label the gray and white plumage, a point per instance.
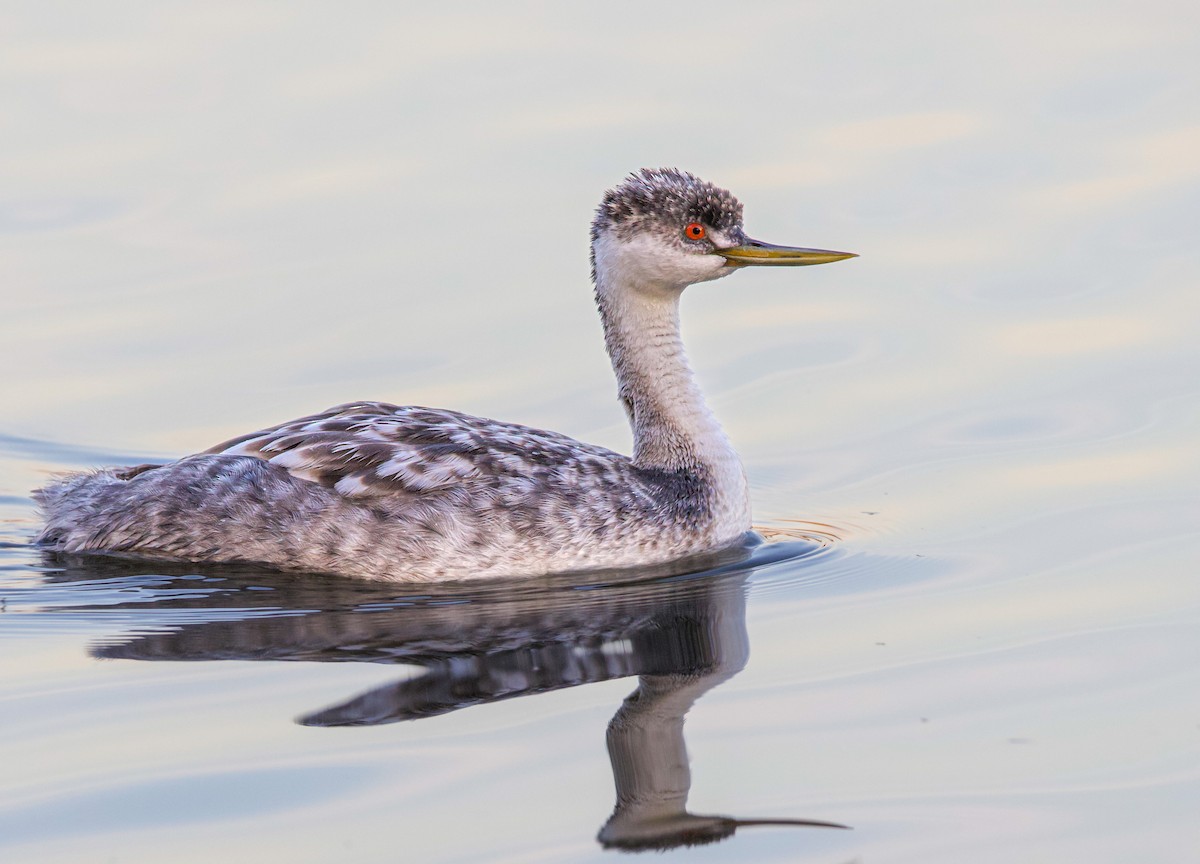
(378, 491)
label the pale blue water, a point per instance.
(220, 217)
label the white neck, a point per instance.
(673, 427)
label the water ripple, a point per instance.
(67, 455)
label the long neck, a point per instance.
(673, 427)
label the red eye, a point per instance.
(694, 231)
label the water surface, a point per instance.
(973, 450)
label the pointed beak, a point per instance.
(755, 253)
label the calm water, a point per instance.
(973, 632)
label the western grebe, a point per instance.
(378, 491)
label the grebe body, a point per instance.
(378, 491)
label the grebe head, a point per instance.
(664, 229)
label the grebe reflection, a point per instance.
(682, 636)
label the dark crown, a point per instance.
(667, 196)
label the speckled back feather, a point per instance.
(373, 449)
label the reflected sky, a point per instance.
(217, 217)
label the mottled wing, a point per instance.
(372, 449)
